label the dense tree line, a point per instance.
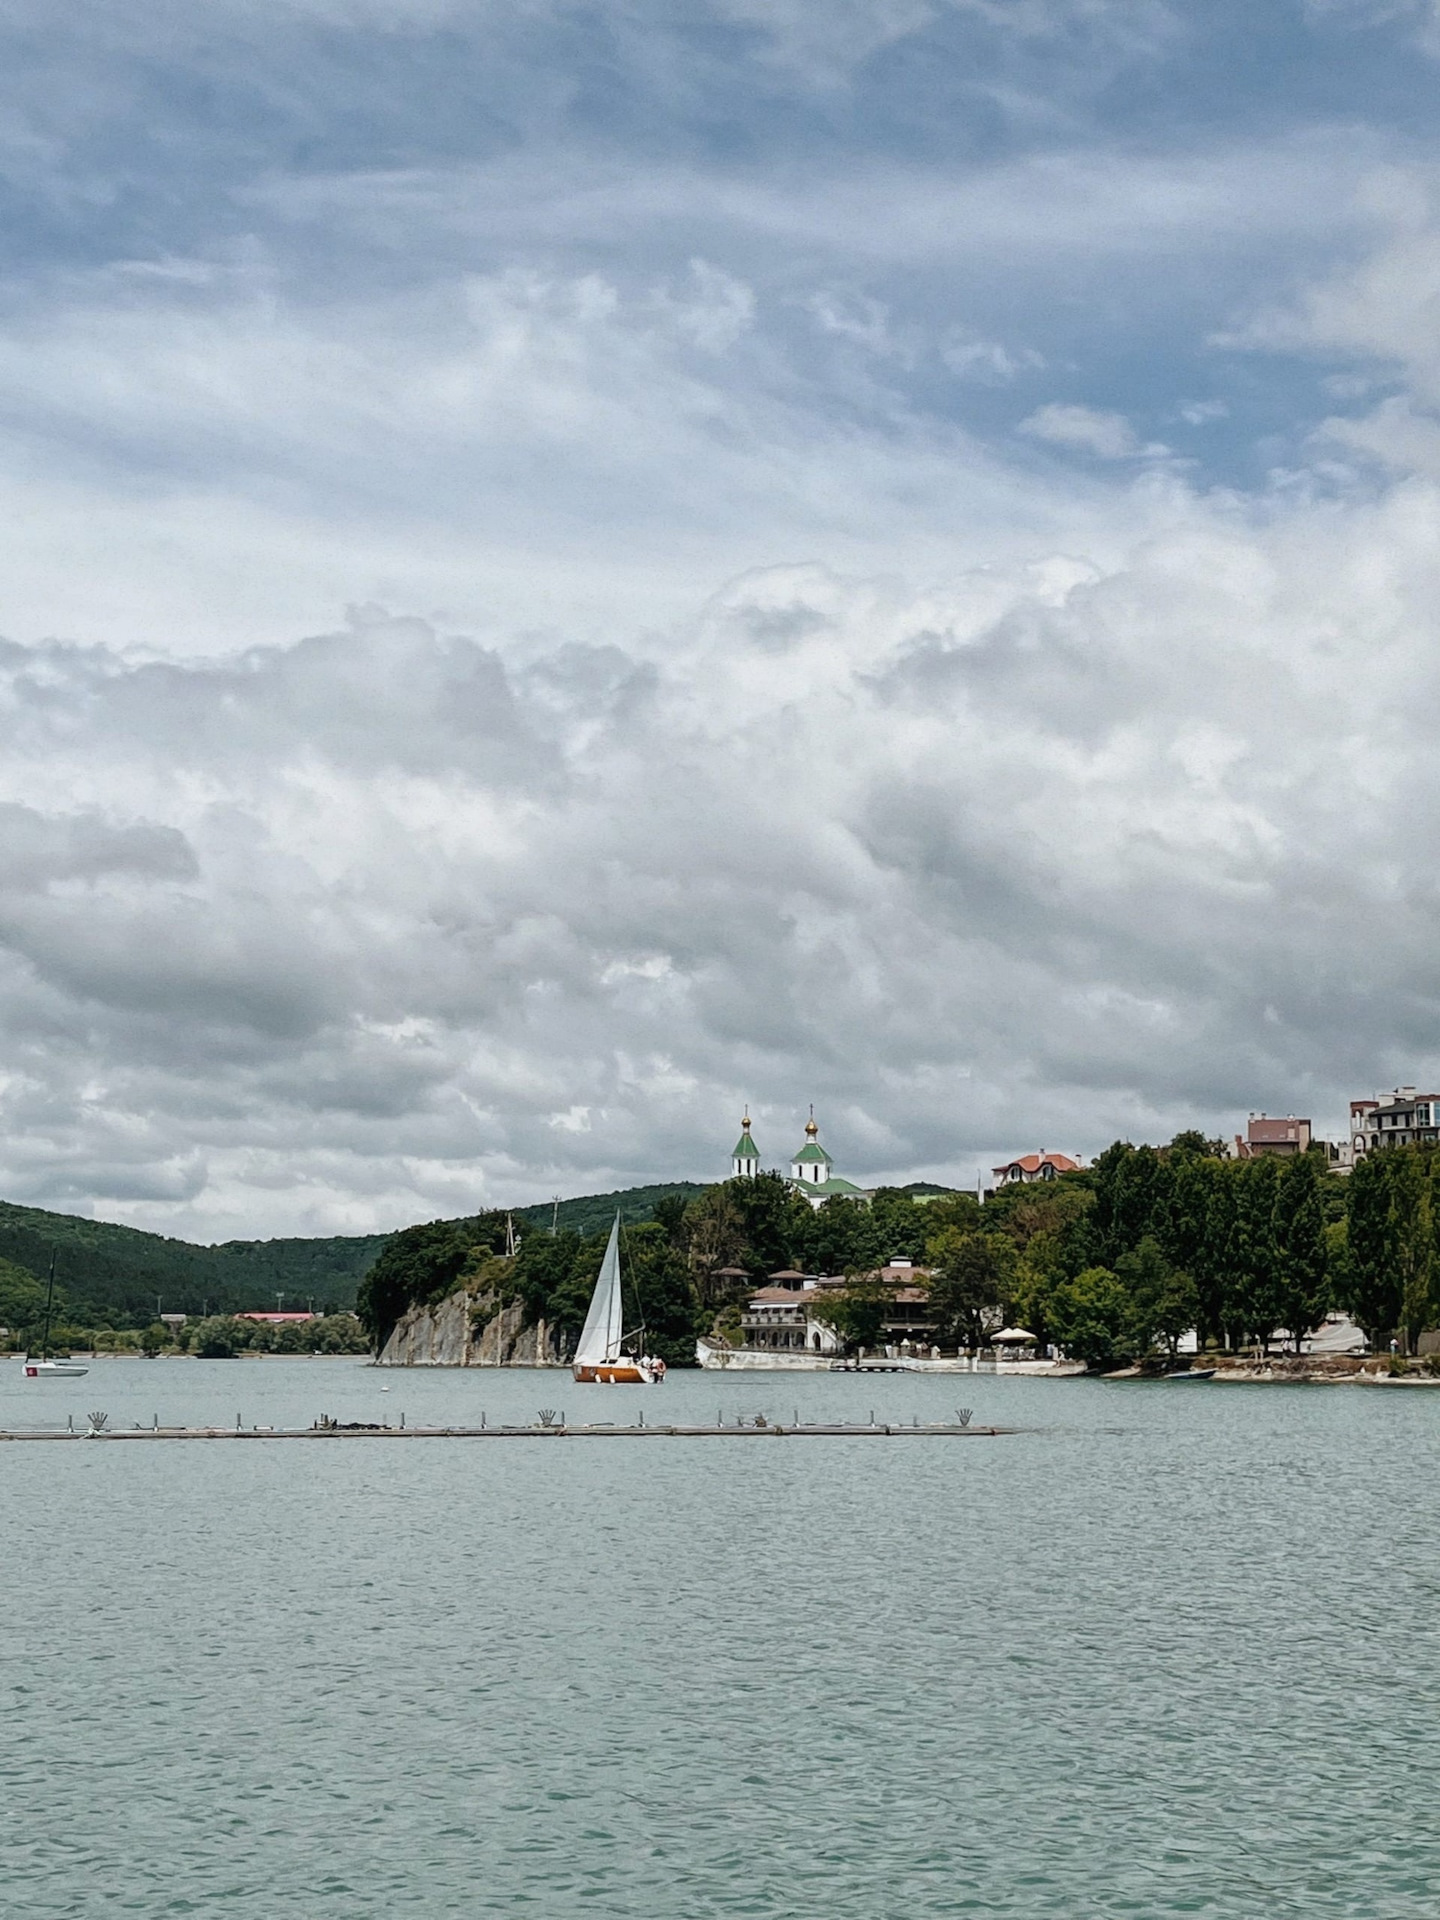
(1112, 1263)
(691, 1260)
(1124, 1258)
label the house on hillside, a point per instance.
(1407, 1119)
(1281, 1139)
(1035, 1166)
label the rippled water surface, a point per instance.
(1170, 1651)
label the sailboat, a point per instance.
(601, 1355)
(45, 1368)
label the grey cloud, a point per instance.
(1057, 853)
(39, 850)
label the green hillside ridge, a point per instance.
(109, 1275)
(589, 1212)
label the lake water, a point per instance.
(1172, 1651)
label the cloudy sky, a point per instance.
(569, 566)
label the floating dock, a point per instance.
(541, 1430)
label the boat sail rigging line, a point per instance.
(601, 1355)
(44, 1368)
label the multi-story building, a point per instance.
(788, 1314)
(1281, 1139)
(1407, 1119)
(775, 1319)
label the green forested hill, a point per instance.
(592, 1211)
(112, 1274)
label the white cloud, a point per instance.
(1109, 436)
(763, 726)
(974, 358)
(387, 924)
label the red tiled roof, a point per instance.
(1032, 1163)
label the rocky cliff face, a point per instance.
(464, 1331)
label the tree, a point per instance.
(1191, 1143)
(772, 1219)
(951, 1210)
(1303, 1293)
(1131, 1185)
(666, 1305)
(554, 1275)
(219, 1338)
(901, 1224)
(1163, 1300)
(420, 1267)
(1257, 1276)
(1413, 1241)
(838, 1237)
(968, 1285)
(22, 1298)
(1183, 1231)
(714, 1233)
(1373, 1291)
(1092, 1318)
(1215, 1264)
(670, 1210)
(154, 1340)
(857, 1311)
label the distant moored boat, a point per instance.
(44, 1368)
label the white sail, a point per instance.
(600, 1336)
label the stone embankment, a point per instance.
(466, 1331)
(1327, 1369)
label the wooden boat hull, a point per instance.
(619, 1373)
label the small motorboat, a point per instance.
(1192, 1373)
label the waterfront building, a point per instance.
(777, 1318)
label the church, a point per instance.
(812, 1171)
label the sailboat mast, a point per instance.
(49, 1298)
(639, 1331)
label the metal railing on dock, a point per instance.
(551, 1428)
